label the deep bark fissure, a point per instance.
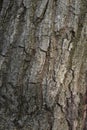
(41, 17)
(1, 4)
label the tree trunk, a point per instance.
(43, 65)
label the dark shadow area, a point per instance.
(1, 3)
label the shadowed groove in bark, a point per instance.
(1, 3)
(85, 106)
(41, 17)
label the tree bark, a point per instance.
(43, 64)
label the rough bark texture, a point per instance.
(43, 64)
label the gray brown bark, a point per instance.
(43, 64)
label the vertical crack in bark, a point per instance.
(41, 17)
(7, 11)
(69, 104)
(1, 4)
(85, 107)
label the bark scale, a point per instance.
(43, 64)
